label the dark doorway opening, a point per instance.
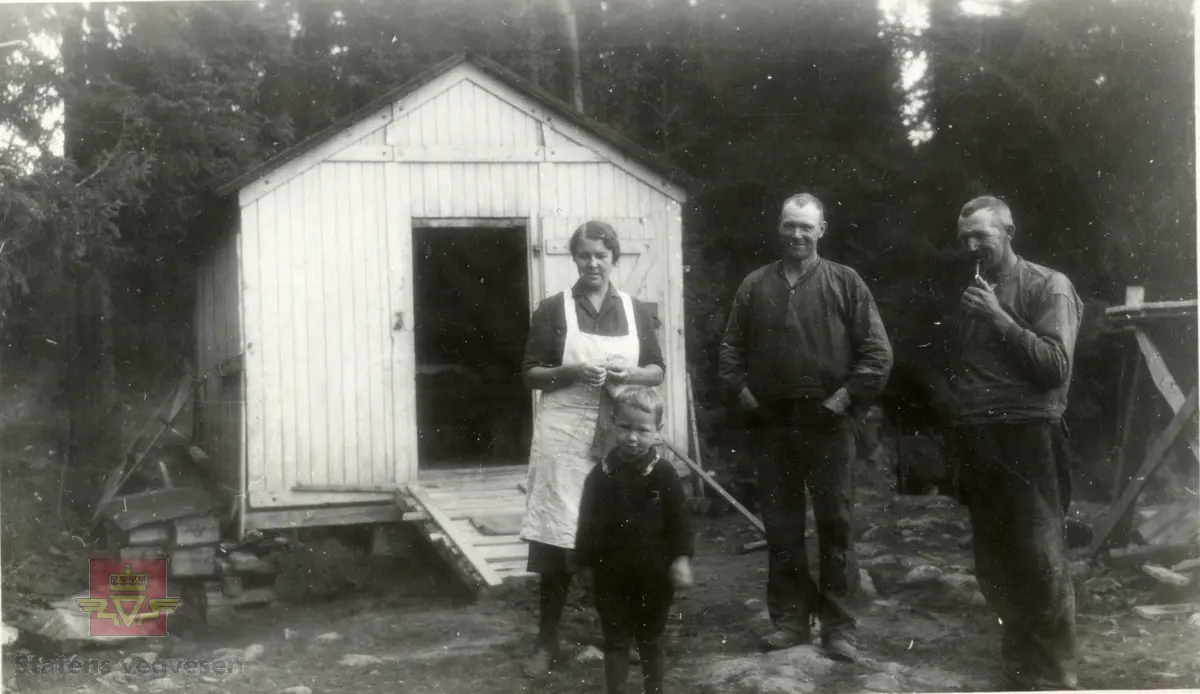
(471, 300)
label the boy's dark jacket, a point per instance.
(633, 516)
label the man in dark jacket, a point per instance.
(803, 346)
(1017, 328)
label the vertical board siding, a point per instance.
(465, 114)
(319, 312)
(217, 325)
(327, 272)
(316, 418)
(403, 363)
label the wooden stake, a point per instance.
(754, 520)
(695, 433)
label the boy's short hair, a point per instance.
(642, 398)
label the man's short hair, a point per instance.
(642, 398)
(597, 231)
(992, 204)
(802, 200)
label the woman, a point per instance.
(584, 345)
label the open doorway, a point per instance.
(471, 304)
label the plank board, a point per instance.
(449, 499)
(1160, 446)
(1165, 382)
(462, 541)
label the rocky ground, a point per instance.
(923, 627)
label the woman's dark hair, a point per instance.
(597, 231)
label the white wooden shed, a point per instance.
(461, 186)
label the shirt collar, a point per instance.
(652, 455)
(577, 290)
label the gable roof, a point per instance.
(626, 146)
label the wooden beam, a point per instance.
(1154, 457)
(1129, 402)
(1136, 556)
(345, 488)
(470, 222)
(451, 531)
(1164, 611)
(563, 246)
(754, 520)
(1165, 382)
(365, 514)
(446, 154)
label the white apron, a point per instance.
(564, 431)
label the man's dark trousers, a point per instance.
(797, 444)
(1010, 479)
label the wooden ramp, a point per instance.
(472, 517)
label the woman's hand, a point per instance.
(617, 374)
(588, 374)
(681, 573)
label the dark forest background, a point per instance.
(1080, 113)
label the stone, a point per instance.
(589, 654)
(329, 636)
(914, 562)
(866, 585)
(921, 574)
(197, 530)
(228, 653)
(10, 636)
(867, 549)
(253, 652)
(66, 624)
(882, 682)
(298, 689)
(753, 604)
(162, 684)
(1102, 585)
(959, 582)
(289, 634)
(359, 660)
(246, 563)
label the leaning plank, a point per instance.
(1153, 530)
(1159, 554)
(1161, 375)
(133, 510)
(454, 534)
(1164, 611)
(754, 520)
(1153, 459)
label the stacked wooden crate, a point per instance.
(243, 580)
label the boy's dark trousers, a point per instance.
(633, 605)
(795, 444)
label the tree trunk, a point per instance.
(571, 32)
(94, 439)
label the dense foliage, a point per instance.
(1079, 112)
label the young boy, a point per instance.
(635, 536)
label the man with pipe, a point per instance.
(1017, 328)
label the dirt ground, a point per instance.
(411, 630)
(919, 634)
